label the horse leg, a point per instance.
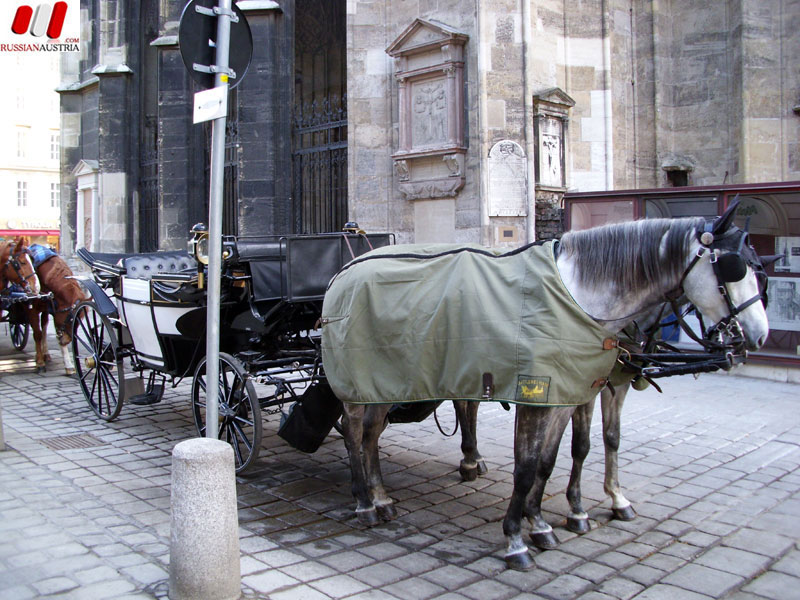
(611, 405)
(38, 339)
(472, 464)
(542, 534)
(578, 520)
(45, 317)
(66, 353)
(353, 428)
(528, 436)
(374, 424)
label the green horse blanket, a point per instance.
(441, 322)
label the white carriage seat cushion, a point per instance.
(144, 266)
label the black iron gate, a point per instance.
(320, 166)
(148, 187)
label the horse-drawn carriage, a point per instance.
(538, 326)
(147, 315)
(12, 301)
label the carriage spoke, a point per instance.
(109, 390)
(239, 419)
(88, 336)
(94, 384)
(231, 439)
(237, 429)
(96, 360)
(235, 393)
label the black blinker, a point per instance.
(732, 267)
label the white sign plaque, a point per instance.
(507, 180)
(211, 104)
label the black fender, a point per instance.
(105, 306)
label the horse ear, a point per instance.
(770, 259)
(724, 221)
(20, 244)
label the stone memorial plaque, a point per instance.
(507, 180)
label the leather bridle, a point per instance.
(14, 262)
(730, 254)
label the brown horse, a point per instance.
(17, 268)
(54, 277)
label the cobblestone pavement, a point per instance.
(711, 467)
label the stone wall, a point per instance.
(549, 216)
(770, 37)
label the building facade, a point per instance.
(440, 120)
(29, 158)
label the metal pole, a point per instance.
(215, 225)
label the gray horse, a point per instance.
(376, 353)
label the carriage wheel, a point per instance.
(97, 361)
(19, 334)
(239, 410)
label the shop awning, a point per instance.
(19, 232)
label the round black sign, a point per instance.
(195, 31)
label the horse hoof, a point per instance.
(482, 470)
(521, 561)
(468, 473)
(544, 540)
(624, 514)
(387, 512)
(368, 517)
(578, 525)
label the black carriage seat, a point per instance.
(144, 266)
(265, 261)
(255, 249)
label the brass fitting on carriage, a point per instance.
(198, 248)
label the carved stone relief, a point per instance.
(550, 145)
(428, 114)
(551, 115)
(429, 68)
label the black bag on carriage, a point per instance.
(310, 419)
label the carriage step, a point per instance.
(152, 396)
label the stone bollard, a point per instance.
(2, 439)
(204, 528)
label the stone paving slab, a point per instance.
(711, 467)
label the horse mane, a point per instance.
(628, 255)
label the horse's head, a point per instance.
(16, 266)
(727, 283)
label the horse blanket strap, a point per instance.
(40, 254)
(440, 322)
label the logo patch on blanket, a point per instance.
(533, 389)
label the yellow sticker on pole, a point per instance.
(223, 78)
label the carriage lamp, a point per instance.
(198, 244)
(352, 227)
(198, 247)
